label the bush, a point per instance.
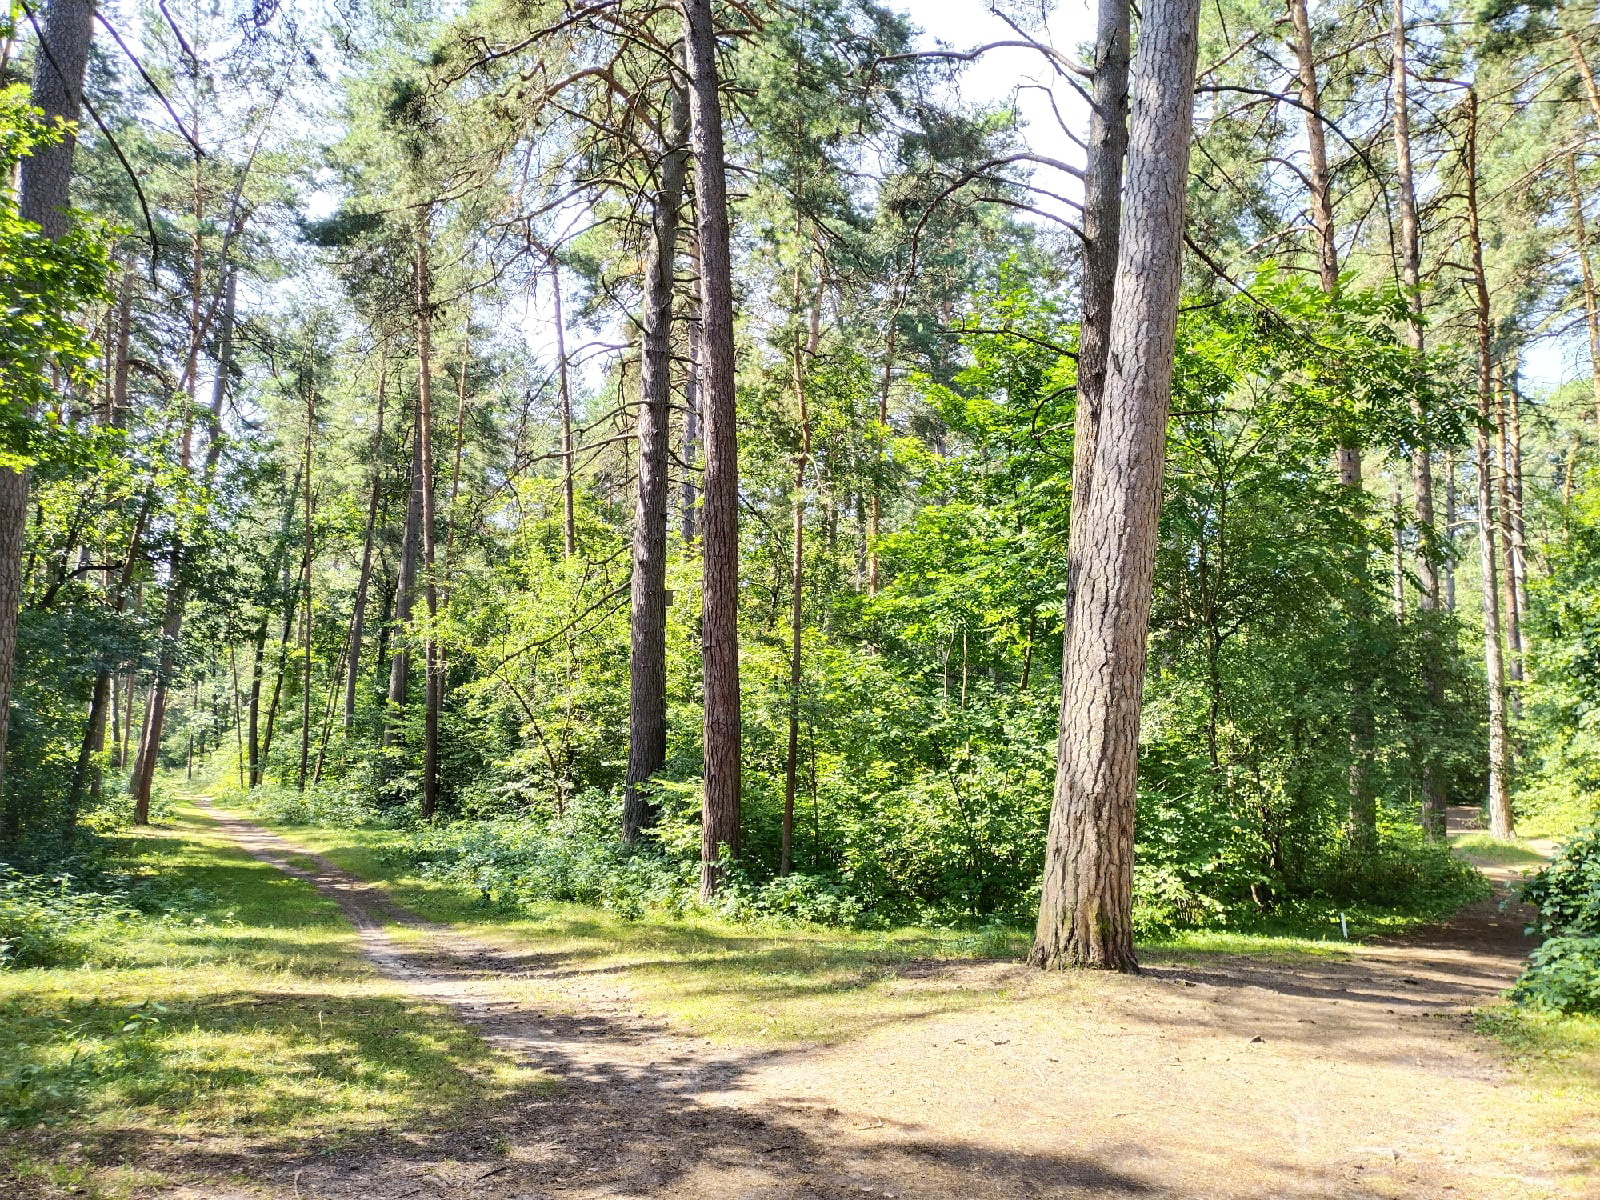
(1563, 976)
(45, 921)
(576, 857)
(1567, 892)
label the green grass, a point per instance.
(1486, 850)
(250, 1016)
(764, 984)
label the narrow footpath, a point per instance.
(1227, 1078)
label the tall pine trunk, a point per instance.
(358, 611)
(647, 659)
(719, 636)
(1086, 905)
(1500, 822)
(1102, 218)
(433, 677)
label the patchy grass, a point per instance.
(763, 984)
(251, 1018)
(1486, 850)
(1560, 1056)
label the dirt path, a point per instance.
(1235, 1078)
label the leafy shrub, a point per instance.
(1563, 975)
(335, 805)
(45, 921)
(1408, 874)
(1567, 892)
(576, 857)
(804, 899)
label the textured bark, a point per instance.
(690, 497)
(358, 611)
(66, 31)
(719, 623)
(1086, 906)
(1500, 823)
(1102, 216)
(647, 658)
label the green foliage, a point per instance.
(1567, 892)
(51, 921)
(1563, 976)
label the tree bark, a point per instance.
(307, 551)
(797, 568)
(720, 507)
(1102, 216)
(569, 518)
(1500, 821)
(1086, 905)
(647, 659)
(67, 30)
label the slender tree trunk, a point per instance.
(1434, 798)
(1591, 303)
(358, 612)
(875, 504)
(1450, 517)
(65, 34)
(1500, 822)
(569, 518)
(647, 659)
(1411, 277)
(797, 567)
(1102, 217)
(433, 677)
(308, 549)
(1086, 905)
(691, 406)
(1509, 608)
(720, 517)
(289, 612)
(405, 593)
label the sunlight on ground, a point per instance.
(252, 1013)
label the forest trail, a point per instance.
(1207, 1076)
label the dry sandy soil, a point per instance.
(1231, 1078)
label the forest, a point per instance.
(1058, 485)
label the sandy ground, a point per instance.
(1228, 1078)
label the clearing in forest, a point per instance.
(1354, 1075)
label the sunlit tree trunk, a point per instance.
(1102, 216)
(1086, 905)
(1591, 303)
(719, 625)
(405, 593)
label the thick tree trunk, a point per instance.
(1086, 906)
(647, 659)
(720, 509)
(1500, 822)
(65, 34)
(1102, 217)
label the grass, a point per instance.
(1560, 1057)
(738, 983)
(249, 1016)
(1486, 850)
